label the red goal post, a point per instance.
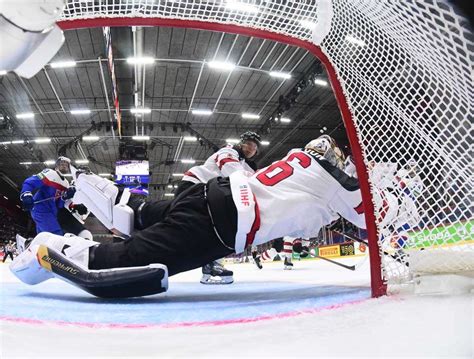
(401, 72)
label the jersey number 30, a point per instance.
(280, 170)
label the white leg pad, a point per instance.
(26, 267)
(99, 194)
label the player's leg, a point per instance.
(67, 258)
(46, 222)
(288, 252)
(256, 257)
(184, 240)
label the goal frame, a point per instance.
(378, 284)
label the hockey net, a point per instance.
(402, 72)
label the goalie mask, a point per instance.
(326, 147)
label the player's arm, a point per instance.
(31, 184)
(348, 204)
(228, 161)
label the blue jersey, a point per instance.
(47, 184)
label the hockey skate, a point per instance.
(257, 260)
(215, 273)
(288, 265)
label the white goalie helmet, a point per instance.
(327, 147)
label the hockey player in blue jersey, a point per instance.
(44, 193)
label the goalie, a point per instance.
(204, 223)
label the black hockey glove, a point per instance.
(68, 193)
(80, 208)
(27, 201)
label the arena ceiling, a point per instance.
(178, 81)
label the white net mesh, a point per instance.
(406, 70)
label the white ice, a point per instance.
(400, 325)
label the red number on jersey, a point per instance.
(271, 176)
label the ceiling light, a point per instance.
(136, 111)
(90, 138)
(80, 112)
(25, 115)
(232, 140)
(190, 138)
(188, 161)
(265, 143)
(178, 174)
(42, 140)
(18, 142)
(250, 116)
(170, 186)
(308, 24)
(49, 162)
(221, 65)
(285, 119)
(5, 197)
(5, 143)
(82, 162)
(281, 75)
(3, 72)
(320, 82)
(241, 7)
(140, 60)
(355, 40)
(141, 138)
(26, 163)
(169, 194)
(202, 112)
(62, 64)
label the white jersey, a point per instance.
(221, 164)
(294, 197)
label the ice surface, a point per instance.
(315, 310)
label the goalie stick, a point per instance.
(330, 260)
(357, 239)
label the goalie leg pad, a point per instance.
(106, 283)
(26, 268)
(99, 195)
